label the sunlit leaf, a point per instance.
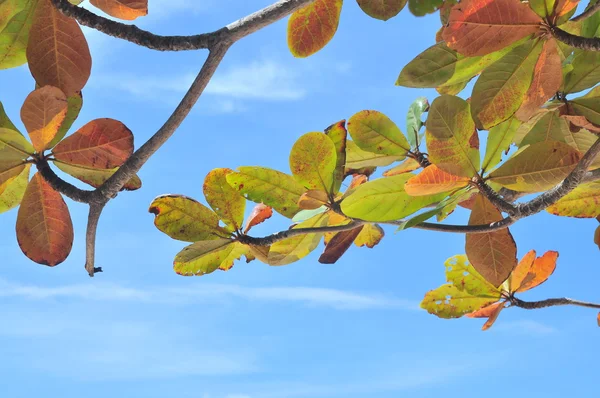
(313, 26)
(43, 112)
(226, 201)
(12, 191)
(382, 9)
(532, 272)
(96, 177)
(185, 219)
(414, 122)
(338, 134)
(293, 249)
(585, 73)
(432, 181)
(313, 161)
(57, 50)
(100, 144)
(16, 17)
(405, 167)
(123, 9)
(313, 199)
(338, 245)
(597, 242)
(13, 146)
(75, 103)
(273, 188)
(369, 236)
(423, 7)
(493, 254)
(588, 106)
(478, 27)
(357, 159)
(385, 199)
(491, 312)
(582, 202)
(260, 213)
(374, 132)
(501, 88)
(204, 257)
(549, 127)
(498, 142)
(5, 121)
(452, 140)
(44, 227)
(537, 167)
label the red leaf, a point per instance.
(479, 27)
(260, 213)
(123, 9)
(100, 144)
(533, 272)
(42, 113)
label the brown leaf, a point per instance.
(44, 227)
(493, 254)
(597, 237)
(491, 312)
(547, 79)
(581, 122)
(42, 113)
(313, 199)
(57, 51)
(123, 9)
(100, 144)
(260, 213)
(338, 245)
(479, 27)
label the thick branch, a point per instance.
(230, 33)
(90, 238)
(501, 203)
(60, 185)
(279, 236)
(534, 305)
(583, 43)
(588, 12)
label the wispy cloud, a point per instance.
(317, 297)
(524, 326)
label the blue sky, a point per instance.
(352, 329)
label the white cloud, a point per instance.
(331, 298)
(524, 327)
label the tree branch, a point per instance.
(60, 185)
(534, 305)
(230, 33)
(494, 197)
(583, 43)
(588, 12)
(90, 238)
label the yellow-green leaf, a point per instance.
(357, 159)
(582, 202)
(14, 31)
(369, 236)
(498, 142)
(338, 134)
(13, 145)
(96, 177)
(226, 201)
(313, 161)
(313, 26)
(382, 9)
(204, 257)
(585, 73)
(12, 191)
(374, 132)
(537, 167)
(448, 302)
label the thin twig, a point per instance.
(133, 34)
(533, 305)
(90, 238)
(588, 12)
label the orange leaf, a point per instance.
(44, 227)
(479, 27)
(123, 9)
(338, 245)
(434, 180)
(100, 144)
(313, 199)
(598, 319)
(358, 179)
(547, 79)
(530, 274)
(563, 7)
(597, 237)
(42, 113)
(57, 51)
(313, 26)
(493, 254)
(581, 122)
(260, 213)
(491, 312)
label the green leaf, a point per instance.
(13, 145)
(304, 215)
(582, 202)
(273, 188)
(313, 161)
(295, 248)
(357, 159)
(74, 105)
(420, 8)
(442, 210)
(585, 73)
(537, 167)
(183, 218)
(374, 132)
(591, 25)
(452, 140)
(550, 127)
(414, 122)
(204, 257)
(499, 139)
(582, 141)
(385, 199)
(14, 32)
(96, 177)
(439, 65)
(226, 201)
(382, 9)
(499, 91)
(12, 191)
(5, 121)
(338, 134)
(588, 106)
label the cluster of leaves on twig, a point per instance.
(527, 60)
